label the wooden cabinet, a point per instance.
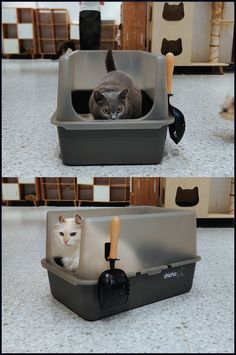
(108, 35)
(145, 191)
(133, 25)
(18, 29)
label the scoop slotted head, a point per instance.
(113, 284)
(177, 128)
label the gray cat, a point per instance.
(116, 97)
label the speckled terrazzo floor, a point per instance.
(30, 143)
(200, 321)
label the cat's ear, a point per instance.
(98, 97)
(195, 189)
(123, 94)
(61, 219)
(78, 219)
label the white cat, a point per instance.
(67, 233)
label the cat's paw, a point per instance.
(227, 109)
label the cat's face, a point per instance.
(68, 231)
(111, 105)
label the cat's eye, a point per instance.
(62, 234)
(106, 110)
(73, 234)
(119, 110)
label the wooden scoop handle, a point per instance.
(169, 70)
(114, 236)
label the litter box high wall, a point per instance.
(88, 142)
(156, 250)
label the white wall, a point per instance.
(109, 11)
(19, 4)
(201, 31)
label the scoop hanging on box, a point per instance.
(177, 128)
(113, 284)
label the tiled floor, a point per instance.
(200, 321)
(30, 143)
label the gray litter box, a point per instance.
(156, 250)
(84, 141)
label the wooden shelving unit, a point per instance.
(18, 31)
(58, 189)
(209, 197)
(20, 189)
(52, 29)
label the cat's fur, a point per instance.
(116, 96)
(227, 108)
(67, 233)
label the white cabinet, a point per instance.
(10, 192)
(25, 30)
(10, 46)
(26, 180)
(74, 31)
(9, 15)
(85, 180)
(101, 193)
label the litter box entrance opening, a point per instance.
(58, 260)
(80, 101)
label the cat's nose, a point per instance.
(113, 116)
(66, 241)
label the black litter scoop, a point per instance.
(177, 128)
(113, 284)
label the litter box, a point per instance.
(84, 141)
(156, 250)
